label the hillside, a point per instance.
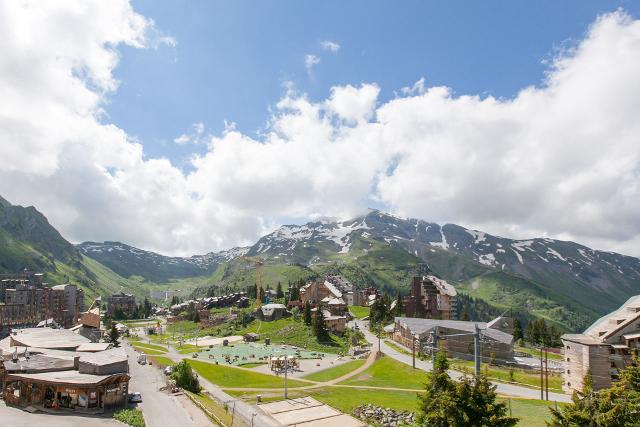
(565, 282)
(128, 261)
(27, 240)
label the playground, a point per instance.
(255, 353)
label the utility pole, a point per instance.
(546, 371)
(414, 351)
(541, 377)
(286, 368)
(434, 343)
(476, 350)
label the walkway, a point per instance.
(502, 388)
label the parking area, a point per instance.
(15, 417)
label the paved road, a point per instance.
(502, 388)
(159, 409)
(14, 417)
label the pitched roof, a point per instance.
(48, 338)
(423, 327)
(64, 377)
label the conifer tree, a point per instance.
(517, 329)
(307, 313)
(319, 327)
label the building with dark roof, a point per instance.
(454, 336)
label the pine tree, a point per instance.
(517, 329)
(261, 293)
(436, 407)
(114, 335)
(319, 327)
(279, 293)
(307, 313)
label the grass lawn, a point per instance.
(144, 345)
(527, 378)
(188, 348)
(251, 365)
(132, 417)
(226, 376)
(536, 353)
(532, 413)
(388, 372)
(163, 361)
(335, 371)
(217, 412)
(289, 331)
(359, 312)
(149, 350)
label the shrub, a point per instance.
(185, 377)
(132, 417)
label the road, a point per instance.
(501, 388)
(160, 409)
(15, 417)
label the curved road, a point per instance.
(501, 388)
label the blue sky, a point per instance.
(546, 145)
(233, 58)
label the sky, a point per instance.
(189, 127)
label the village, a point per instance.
(312, 354)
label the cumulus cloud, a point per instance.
(330, 46)
(560, 159)
(311, 60)
(195, 136)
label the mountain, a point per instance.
(27, 240)
(563, 281)
(129, 261)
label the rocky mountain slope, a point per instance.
(565, 282)
(27, 240)
(129, 261)
(558, 278)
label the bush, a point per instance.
(185, 377)
(132, 417)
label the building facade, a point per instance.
(605, 348)
(25, 301)
(431, 298)
(454, 336)
(121, 303)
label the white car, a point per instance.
(135, 397)
(168, 370)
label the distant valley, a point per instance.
(564, 282)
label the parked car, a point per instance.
(168, 370)
(135, 397)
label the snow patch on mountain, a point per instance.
(479, 236)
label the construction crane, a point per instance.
(258, 262)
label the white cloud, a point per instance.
(562, 159)
(310, 61)
(196, 136)
(330, 46)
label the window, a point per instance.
(568, 384)
(568, 359)
(568, 348)
(568, 371)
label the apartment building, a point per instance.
(605, 348)
(431, 298)
(123, 303)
